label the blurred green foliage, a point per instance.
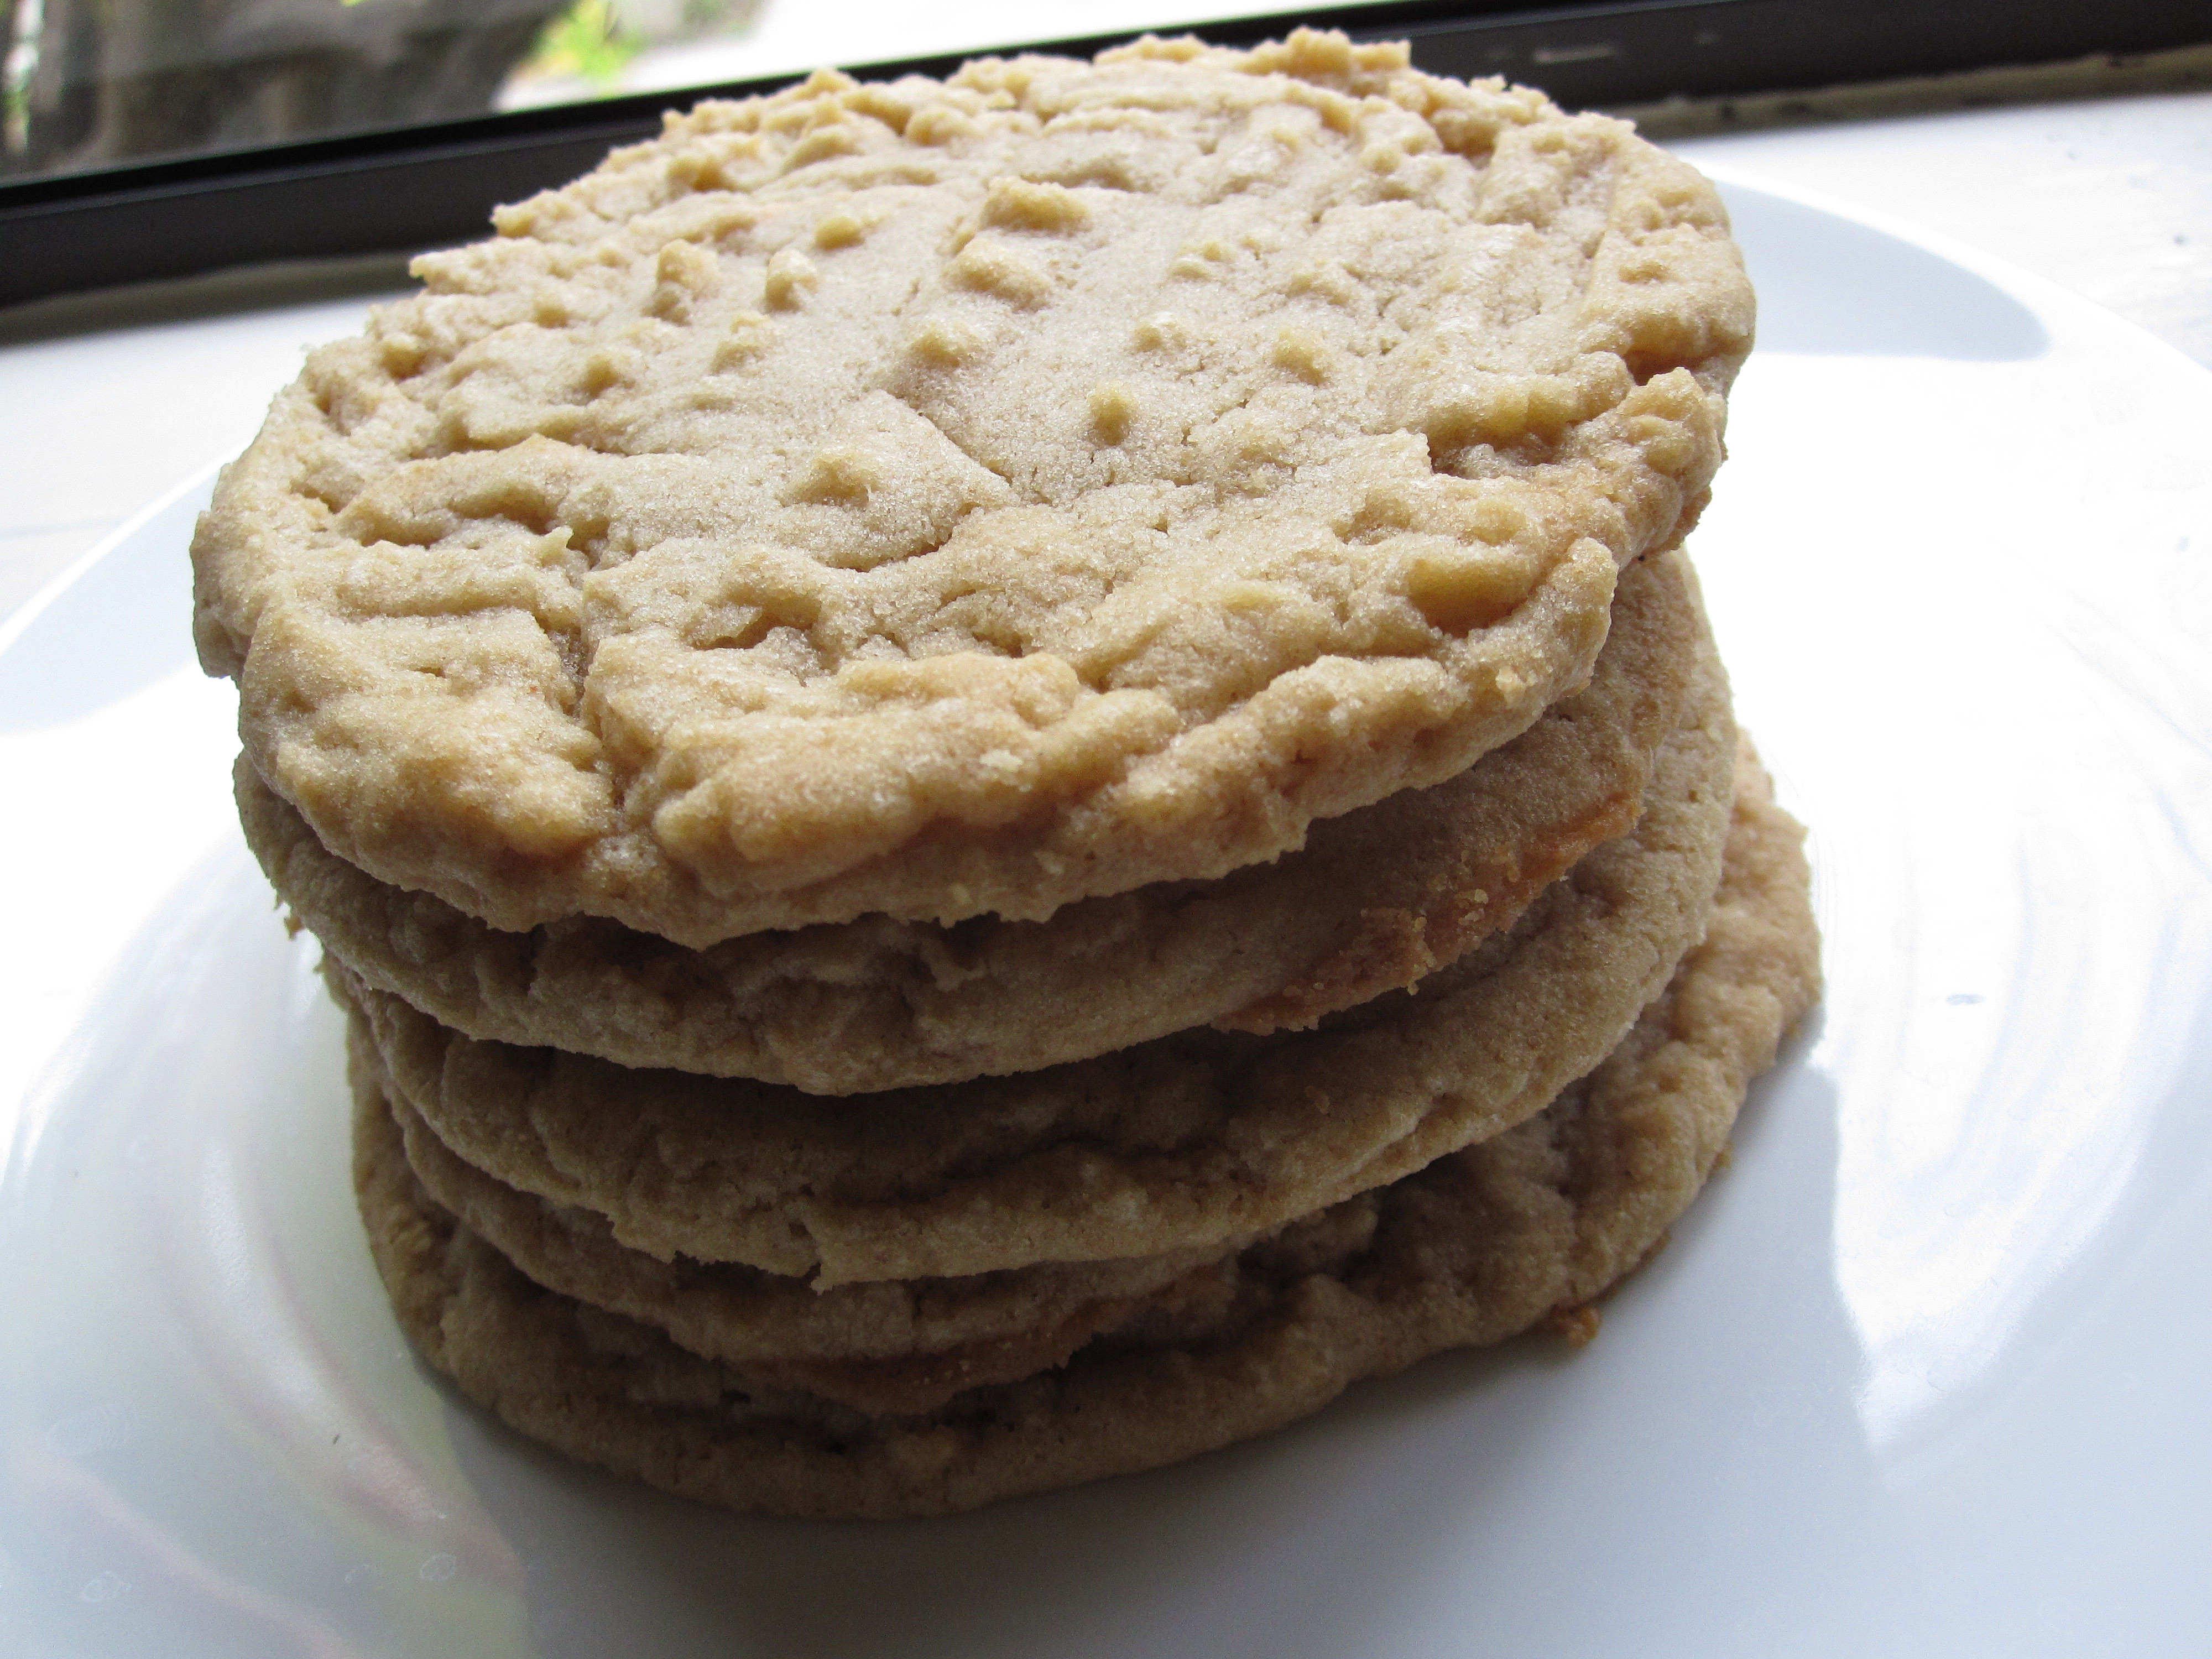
(586, 40)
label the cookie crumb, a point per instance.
(1577, 1325)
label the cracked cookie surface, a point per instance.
(1374, 901)
(942, 499)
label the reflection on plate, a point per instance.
(1921, 1374)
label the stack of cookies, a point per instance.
(1005, 777)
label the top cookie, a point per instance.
(942, 498)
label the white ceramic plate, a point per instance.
(1923, 1373)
